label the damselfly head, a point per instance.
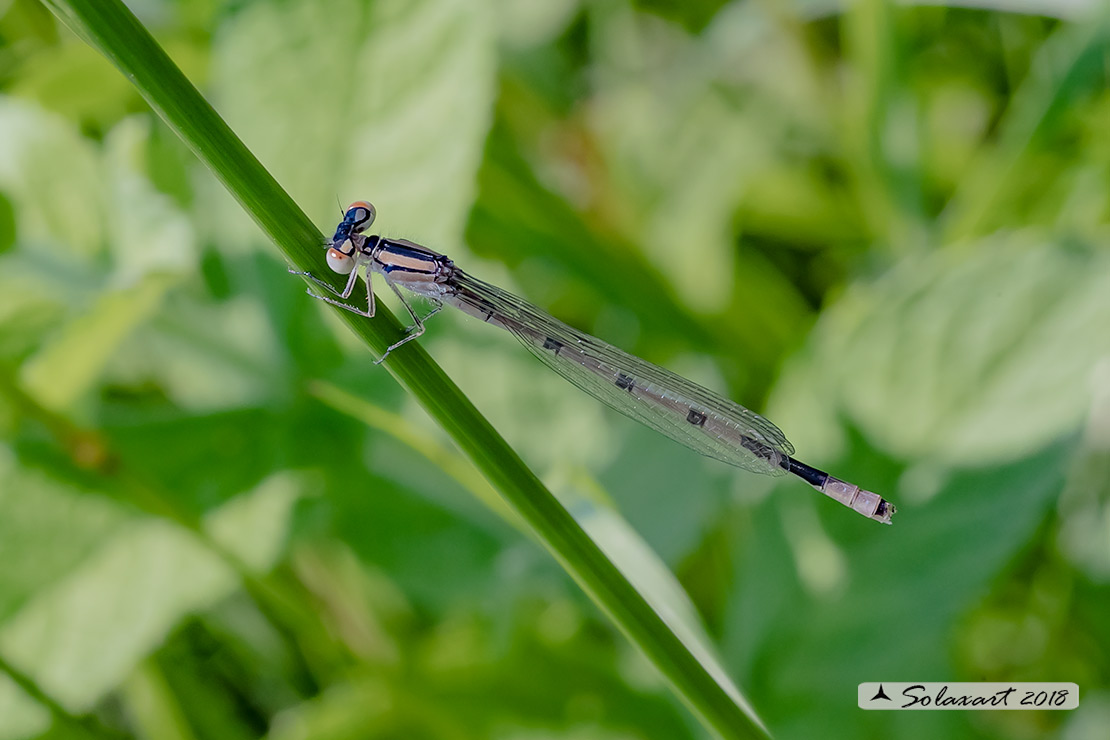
(356, 219)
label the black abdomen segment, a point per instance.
(812, 476)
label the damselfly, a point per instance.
(704, 421)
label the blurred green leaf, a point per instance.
(148, 240)
(7, 224)
(1067, 66)
(23, 717)
(47, 531)
(960, 358)
(30, 309)
(71, 363)
(252, 527)
(152, 704)
(358, 709)
(881, 124)
(81, 634)
(516, 219)
(669, 495)
(393, 108)
(441, 457)
(528, 24)
(679, 152)
(244, 445)
(203, 356)
(54, 179)
(73, 80)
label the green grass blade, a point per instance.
(109, 27)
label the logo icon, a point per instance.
(881, 694)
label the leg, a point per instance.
(346, 293)
(434, 311)
(417, 322)
(413, 331)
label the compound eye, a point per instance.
(360, 214)
(339, 262)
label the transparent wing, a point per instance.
(704, 421)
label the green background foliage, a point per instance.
(884, 226)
